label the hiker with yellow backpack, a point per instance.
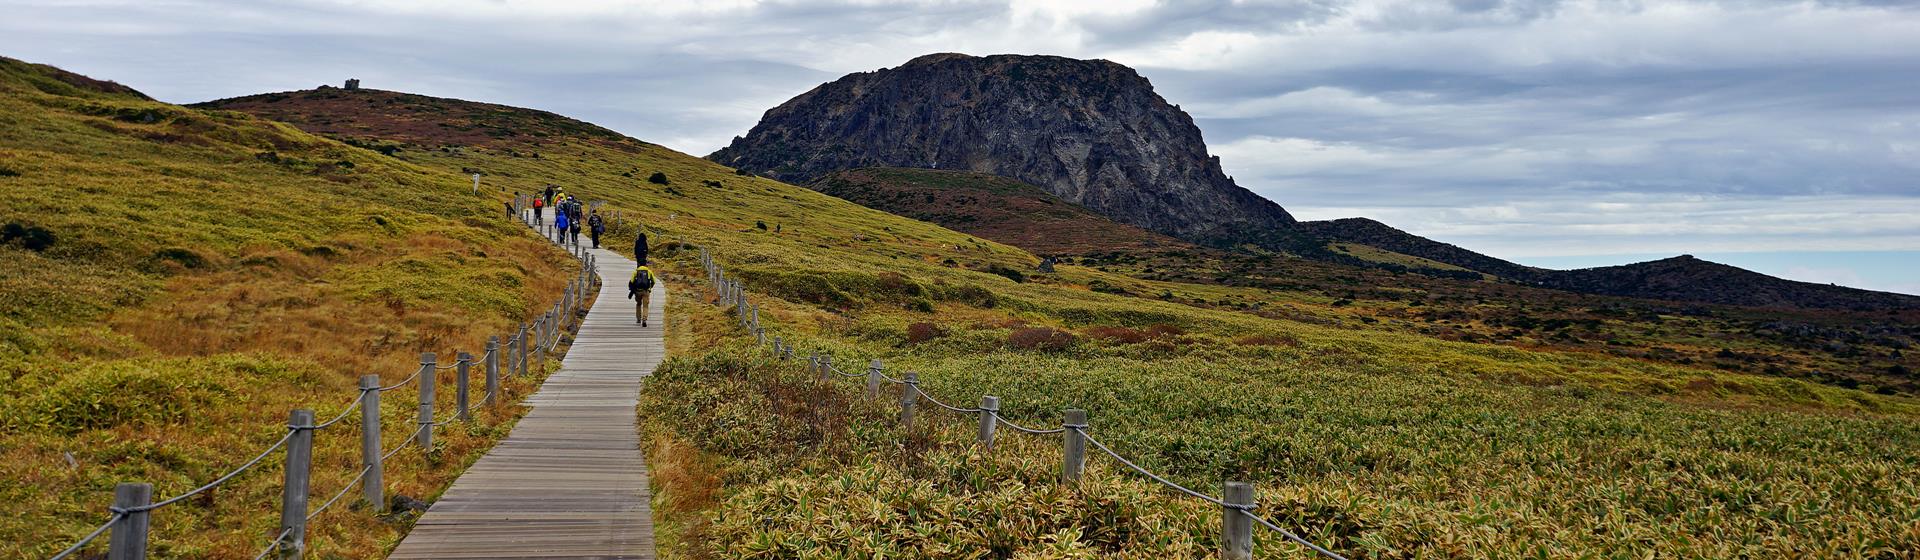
(638, 288)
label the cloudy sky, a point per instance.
(1778, 136)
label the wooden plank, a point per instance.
(570, 481)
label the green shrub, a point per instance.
(1007, 272)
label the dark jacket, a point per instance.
(598, 224)
(640, 248)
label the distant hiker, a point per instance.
(537, 218)
(549, 194)
(640, 246)
(560, 225)
(596, 226)
(575, 221)
(509, 205)
(638, 289)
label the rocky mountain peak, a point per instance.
(1091, 132)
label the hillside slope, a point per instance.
(990, 206)
(1363, 435)
(1091, 132)
(1376, 234)
(174, 282)
(1685, 278)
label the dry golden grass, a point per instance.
(210, 273)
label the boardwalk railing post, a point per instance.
(520, 351)
(540, 349)
(373, 488)
(908, 395)
(460, 385)
(873, 379)
(989, 407)
(428, 372)
(129, 539)
(1075, 445)
(826, 367)
(493, 370)
(1236, 525)
(293, 495)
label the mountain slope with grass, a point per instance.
(1376, 437)
(993, 207)
(173, 282)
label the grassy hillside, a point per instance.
(1375, 438)
(173, 282)
(993, 207)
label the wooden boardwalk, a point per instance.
(569, 482)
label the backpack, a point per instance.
(536, 203)
(642, 280)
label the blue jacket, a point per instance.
(560, 220)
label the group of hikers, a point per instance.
(570, 216)
(568, 220)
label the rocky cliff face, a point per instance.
(1091, 132)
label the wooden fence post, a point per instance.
(373, 488)
(1236, 525)
(520, 352)
(540, 348)
(129, 539)
(293, 495)
(1075, 445)
(493, 370)
(826, 367)
(908, 395)
(873, 379)
(460, 385)
(428, 372)
(989, 408)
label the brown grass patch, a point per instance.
(1046, 339)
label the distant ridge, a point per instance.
(1376, 234)
(1686, 278)
(415, 119)
(1682, 278)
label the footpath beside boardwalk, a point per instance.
(569, 481)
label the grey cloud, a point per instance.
(1424, 114)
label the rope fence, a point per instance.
(1236, 502)
(525, 348)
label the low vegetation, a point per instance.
(1375, 435)
(174, 282)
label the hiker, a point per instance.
(560, 225)
(640, 246)
(537, 218)
(638, 289)
(575, 221)
(549, 194)
(596, 226)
